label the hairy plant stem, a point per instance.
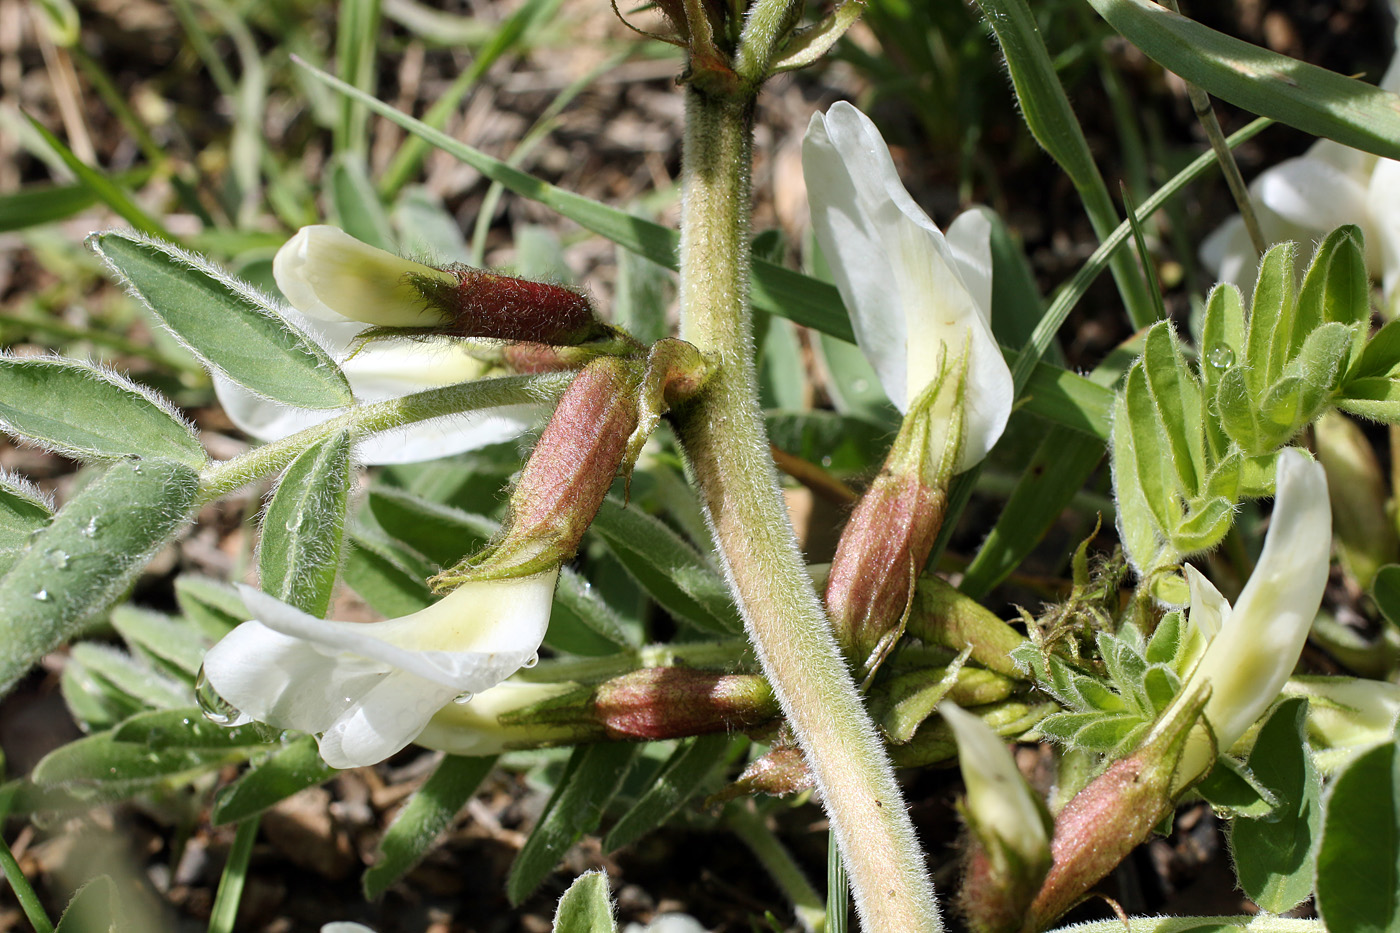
(723, 437)
(224, 477)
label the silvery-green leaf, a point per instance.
(426, 229)
(303, 527)
(1374, 397)
(681, 778)
(1271, 315)
(172, 640)
(1062, 727)
(1336, 288)
(1161, 686)
(1106, 732)
(1257, 476)
(139, 681)
(355, 203)
(1224, 478)
(24, 509)
(441, 533)
(1381, 355)
(90, 413)
(589, 782)
(1166, 640)
(384, 576)
(1234, 790)
(79, 564)
(214, 607)
(587, 907)
(267, 782)
(1235, 405)
(101, 759)
(1361, 845)
(230, 326)
(96, 906)
(187, 727)
(427, 815)
(1318, 366)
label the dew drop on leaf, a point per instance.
(214, 707)
(42, 596)
(1220, 357)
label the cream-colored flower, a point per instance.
(916, 297)
(337, 285)
(368, 689)
(1247, 661)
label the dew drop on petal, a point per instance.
(1220, 357)
(463, 698)
(531, 661)
(214, 707)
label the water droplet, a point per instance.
(463, 698)
(214, 707)
(57, 558)
(292, 524)
(42, 596)
(1220, 357)
(532, 660)
(826, 462)
(860, 386)
(90, 529)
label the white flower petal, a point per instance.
(998, 798)
(475, 728)
(911, 292)
(372, 687)
(1312, 195)
(329, 275)
(385, 720)
(1248, 663)
(1209, 609)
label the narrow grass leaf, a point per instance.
(303, 527)
(427, 815)
(90, 413)
(229, 325)
(77, 566)
(589, 783)
(668, 568)
(682, 777)
(101, 185)
(1313, 99)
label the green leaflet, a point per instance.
(1358, 864)
(291, 768)
(586, 907)
(1274, 858)
(231, 327)
(90, 413)
(73, 569)
(303, 527)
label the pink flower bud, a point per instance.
(671, 702)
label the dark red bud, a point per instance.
(780, 773)
(502, 307)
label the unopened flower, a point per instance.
(1009, 824)
(1250, 655)
(336, 285)
(367, 690)
(919, 301)
(477, 728)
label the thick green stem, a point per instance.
(224, 477)
(724, 440)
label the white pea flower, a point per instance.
(336, 286)
(1002, 809)
(1306, 197)
(345, 926)
(916, 297)
(1256, 644)
(667, 923)
(475, 728)
(368, 689)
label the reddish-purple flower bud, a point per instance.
(780, 773)
(476, 303)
